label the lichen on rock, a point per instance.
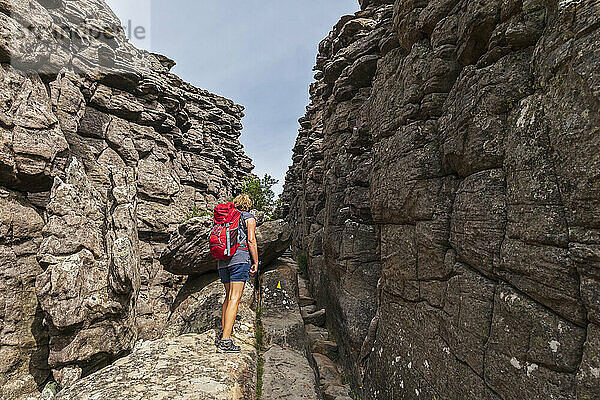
(102, 152)
(445, 189)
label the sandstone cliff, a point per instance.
(103, 151)
(446, 188)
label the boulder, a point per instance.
(188, 251)
(197, 307)
(186, 365)
(274, 238)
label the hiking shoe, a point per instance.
(227, 346)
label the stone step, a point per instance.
(316, 333)
(332, 391)
(281, 319)
(309, 309)
(328, 372)
(304, 301)
(287, 375)
(317, 318)
(325, 347)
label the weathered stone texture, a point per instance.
(103, 152)
(91, 278)
(183, 367)
(327, 188)
(184, 364)
(287, 370)
(459, 170)
(23, 340)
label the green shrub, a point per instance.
(261, 193)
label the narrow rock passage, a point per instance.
(297, 354)
(299, 357)
(323, 349)
(287, 371)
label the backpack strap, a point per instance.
(242, 223)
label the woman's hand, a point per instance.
(252, 245)
(253, 269)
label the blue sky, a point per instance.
(258, 53)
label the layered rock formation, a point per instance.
(183, 364)
(103, 152)
(445, 188)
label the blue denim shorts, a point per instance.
(235, 273)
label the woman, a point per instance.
(236, 271)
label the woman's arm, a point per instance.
(252, 244)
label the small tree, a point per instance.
(261, 193)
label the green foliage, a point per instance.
(303, 264)
(50, 390)
(261, 193)
(259, 330)
(197, 212)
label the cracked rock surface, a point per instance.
(103, 153)
(445, 188)
(184, 364)
(287, 371)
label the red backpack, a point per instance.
(224, 234)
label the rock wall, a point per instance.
(103, 152)
(445, 187)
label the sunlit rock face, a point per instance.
(183, 364)
(445, 187)
(103, 152)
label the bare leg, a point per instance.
(233, 300)
(225, 302)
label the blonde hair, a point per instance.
(243, 202)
